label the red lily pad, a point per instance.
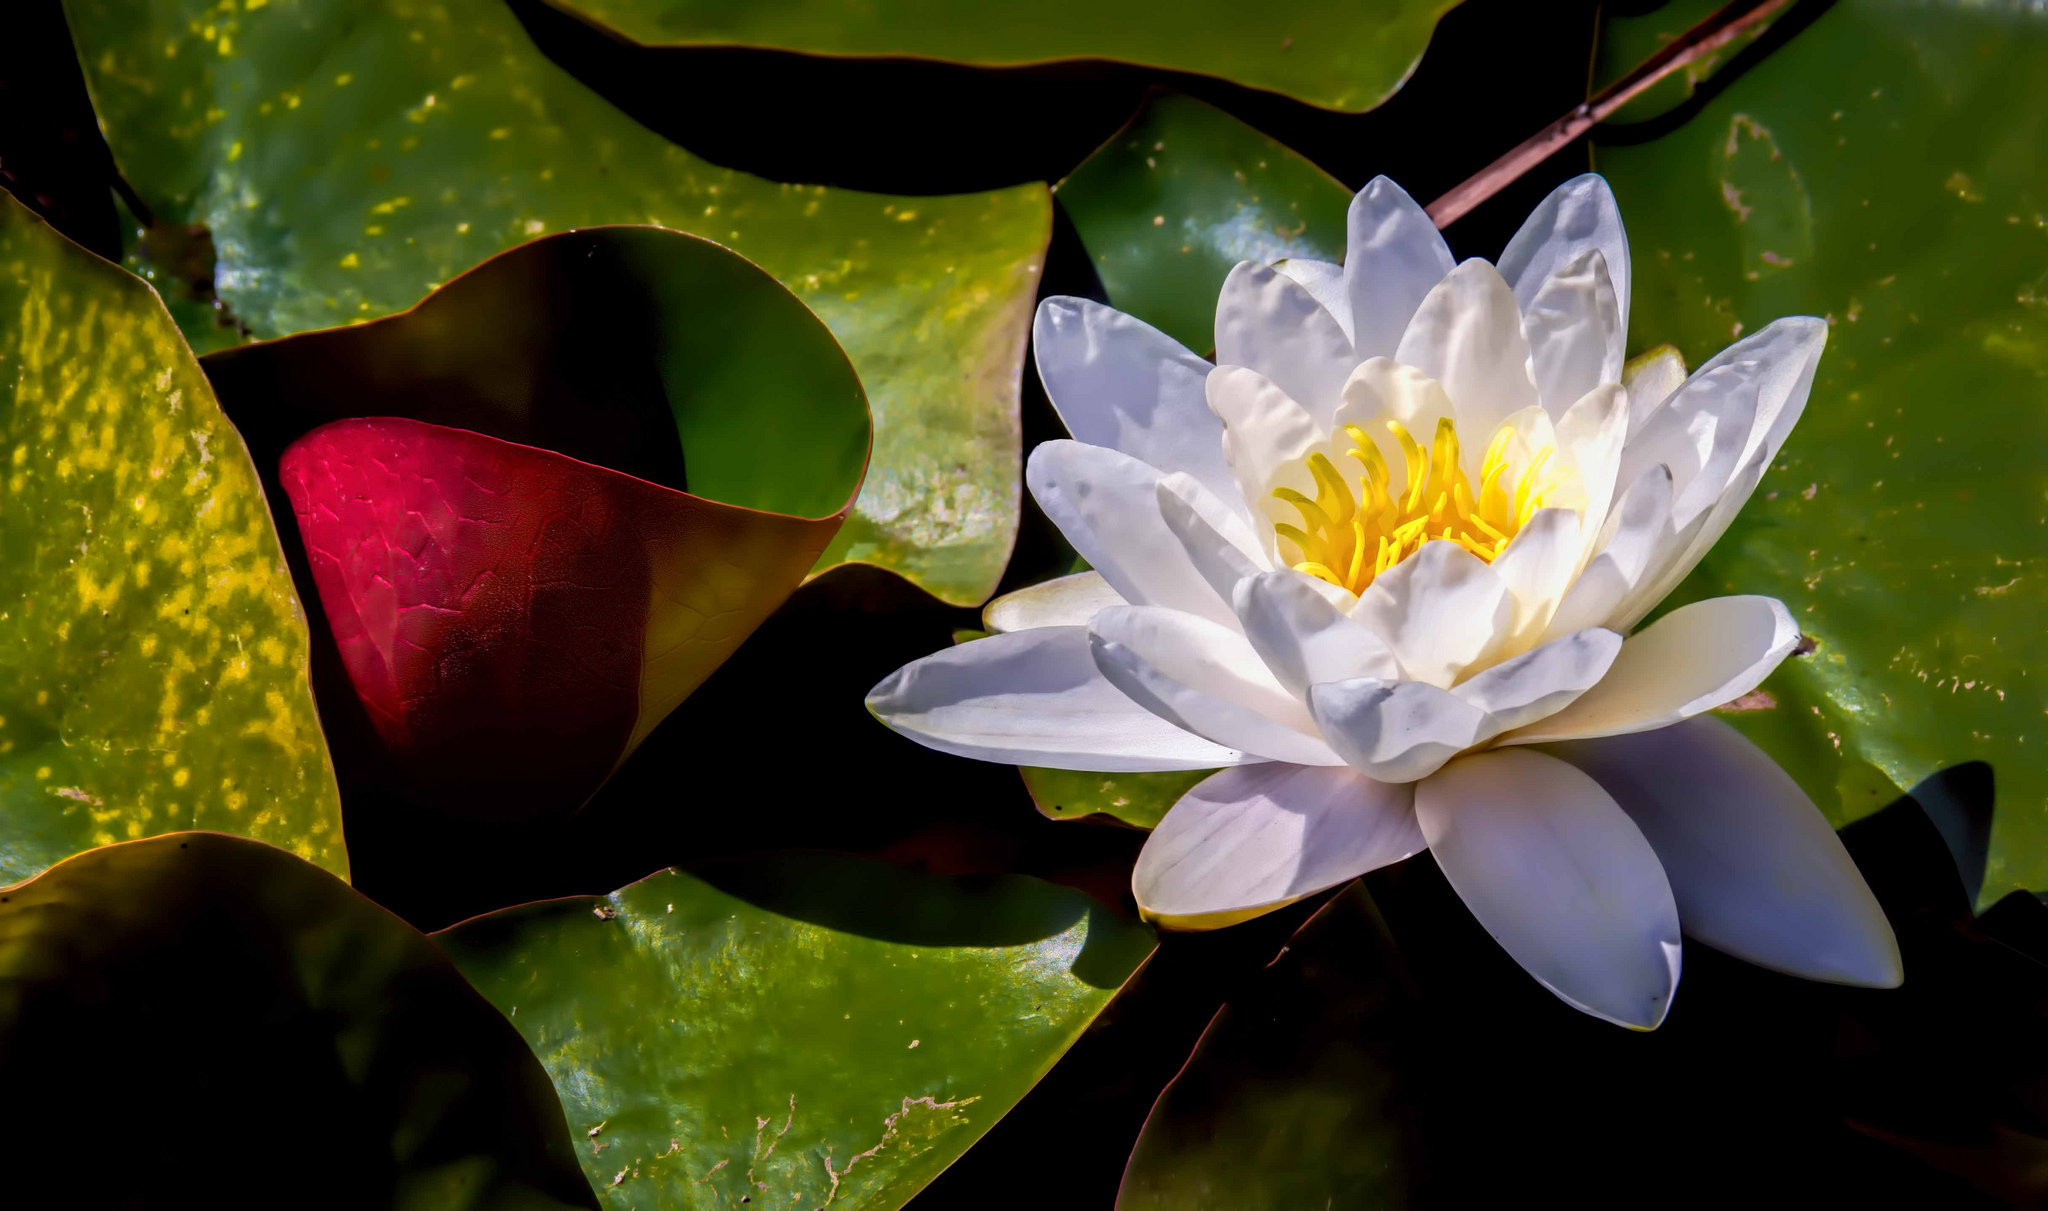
(543, 505)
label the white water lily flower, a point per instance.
(1382, 562)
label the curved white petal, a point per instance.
(1699, 433)
(1753, 865)
(1202, 656)
(1266, 321)
(1034, 698)
(1107, 506)
(1066, 601)
(1677, 552)
(1578, 215)
(1786, 354)
(1649, 379)
(1246, 841)
(1467, 335)
(1266, 434)
(1781, 360)
(1574, 328)
(1118, 382)
(1594, 431)
(1540, 682)
(1537, 569)
(1303, 638)
(1395, 732)
(1393, 255)
(1634, 530)
(1189, 676)
(1324, 281)
(1693, 659)
(1216, 538)
(1441, 609)
(1560, 877)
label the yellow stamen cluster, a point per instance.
(1349, 538)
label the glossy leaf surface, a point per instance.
(1138, 800)
(348, 155)
(515, 619)
(1883, 168)
(796, 1030)
(152, 654)
(284, 1040)
(1349, 56)
(1182, 194)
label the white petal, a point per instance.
(1118, 382)
(1560, 877)
(1383, 389)
(1650, 379)
(1324, 282)
(1247, 841)
(1034, 698)
(1217, 540)
(1266, 435)
(1678, 552)
(1540, 682)
(1699, 433)
(1202, 656)
(1786, 355)
(1634, 530)
(1441, 609)
(1578, 215)
(1395, 731)
(1755, 868)
(1537, 569)
(1393, 255)
(1067, 601)
(1594, 431)
(1693, 659)
(1303, 638)
(1107, 506)
(1205, 679)
(1467, 335)
(1574, 328)
(1266, 321)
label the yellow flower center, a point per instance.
(1349, 538)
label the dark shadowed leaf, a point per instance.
(797, 1030)
(202, 1020)
(152, 655)
(1344, 56)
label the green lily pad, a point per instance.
(346, 156)
(152, 654)
(1341, 56)
(252, 1031)
(801, 1030)
(1881, 169)
(1138, 800)
(1183, 193)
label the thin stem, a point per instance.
(1720, 28)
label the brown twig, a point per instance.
(1723, 26)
